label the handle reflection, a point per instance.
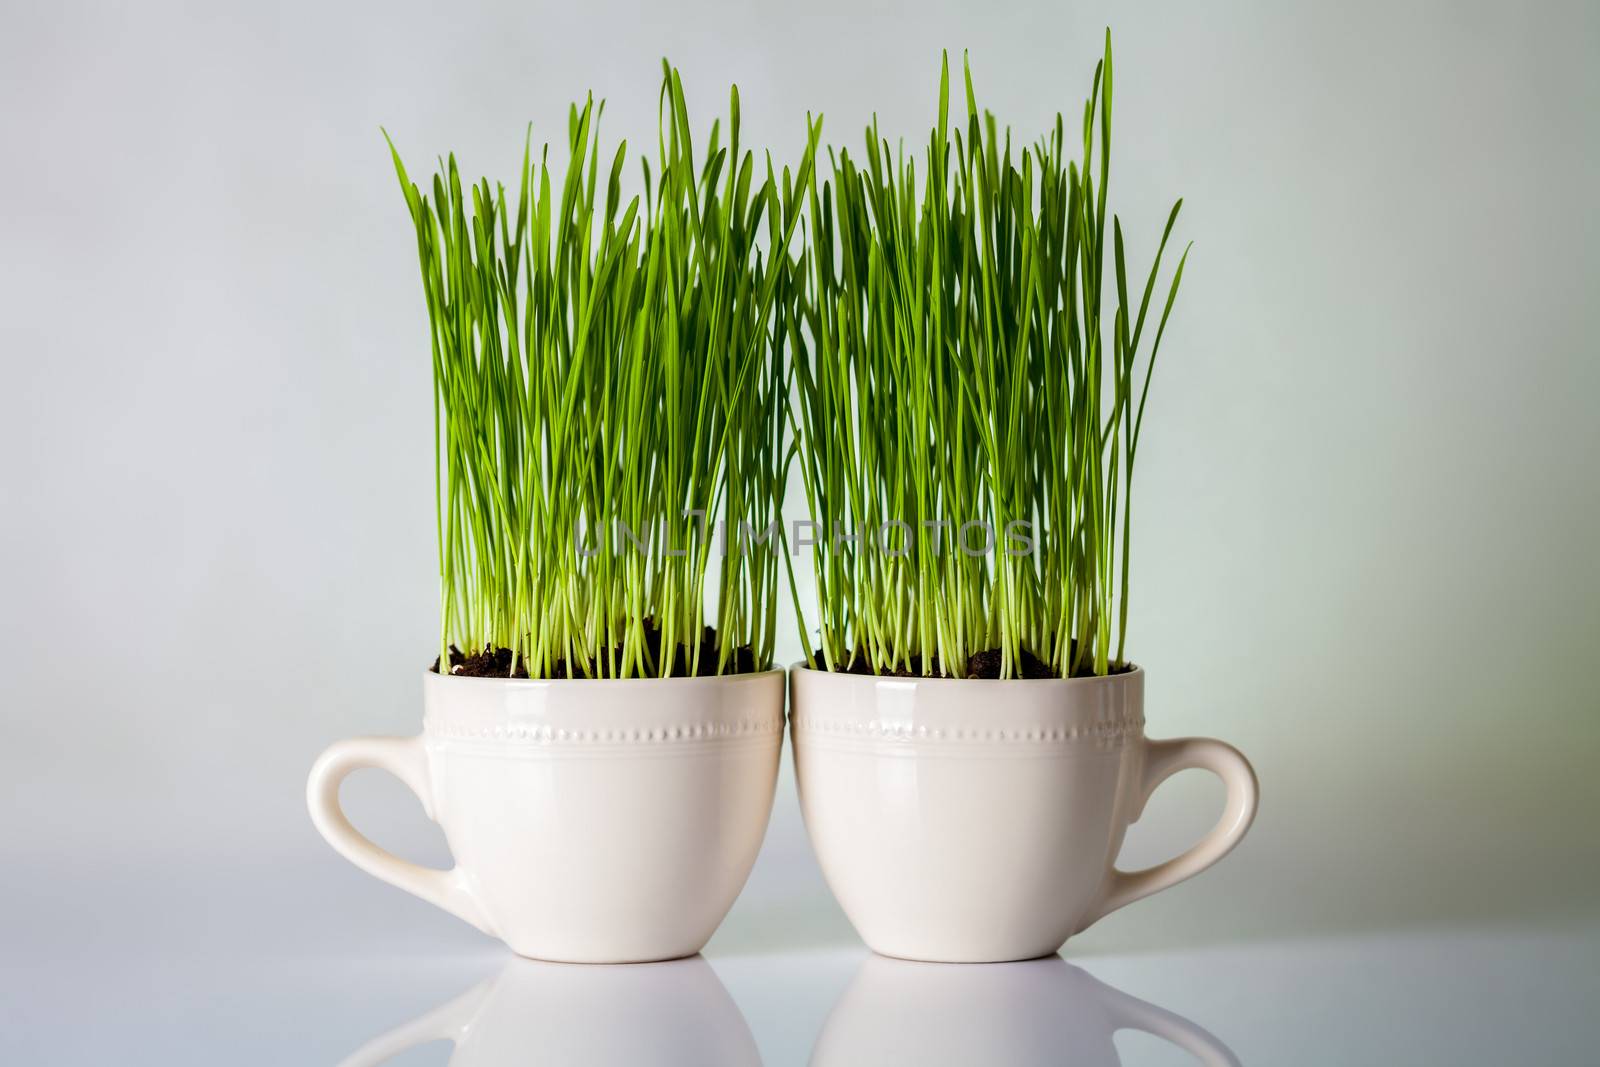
(1020, 1014)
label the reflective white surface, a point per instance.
(1487, 997)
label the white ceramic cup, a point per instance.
(609, 821)
(965, 820)
(1018, 1014)
(536, 1012)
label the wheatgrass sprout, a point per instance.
(609, 391)
(970, 392)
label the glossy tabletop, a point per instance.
(1466, 996)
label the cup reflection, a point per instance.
(1036, 1012)
(530, 1012)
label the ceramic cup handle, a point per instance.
(1163, 759)
(405, 758)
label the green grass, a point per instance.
(597, 362)
(961, 356)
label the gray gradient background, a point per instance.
(1369, 507)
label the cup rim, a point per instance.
(1134, 671)
(430, 676)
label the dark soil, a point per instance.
(496, 662)
(985, 664)
(490, 663)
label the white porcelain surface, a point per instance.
(674, 1013)
(979, 821)
(590, 821)
(1038, 1013)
